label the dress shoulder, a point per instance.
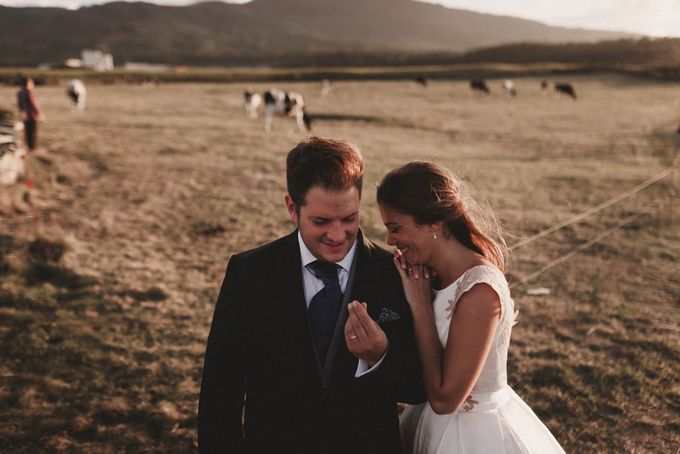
(494, 277)
(482, 274)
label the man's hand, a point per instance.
(364, 338)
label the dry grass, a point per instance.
(105, 301)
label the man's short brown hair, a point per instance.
(331, 164)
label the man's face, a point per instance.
(328, 221)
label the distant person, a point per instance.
(30, 112)
(284, 371)
(462, 324)
(326, 87)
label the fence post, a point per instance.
(672, 194)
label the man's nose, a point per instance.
(336, 233)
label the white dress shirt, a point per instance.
(312, 285)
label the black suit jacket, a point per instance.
(263, 390)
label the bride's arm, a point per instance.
(456, 370)
(450, 374)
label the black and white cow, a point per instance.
(75, 89)
(251, 103)
(285, 104)
(566, 89)
(480, 85)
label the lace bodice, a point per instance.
(494, 373)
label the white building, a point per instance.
(73, 63)
(97, 60)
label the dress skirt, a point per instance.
(498, 422)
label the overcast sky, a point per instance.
(648, 17)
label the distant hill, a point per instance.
(661, 52)
(275, 32)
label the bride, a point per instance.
(463, 326)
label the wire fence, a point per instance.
(670, 172)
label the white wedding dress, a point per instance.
(498, 420)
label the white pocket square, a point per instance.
(387, 315)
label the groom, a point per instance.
(284, 372)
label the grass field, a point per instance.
(267, 74)
(107, 285)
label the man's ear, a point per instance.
(292, 209)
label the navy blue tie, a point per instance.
(325, 306)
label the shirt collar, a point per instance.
(308, 257)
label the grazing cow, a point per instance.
(75, 89)
(565, 89)
(251, 103)
(480, 84)
(285, 104)
(421, 80)
(509, 87)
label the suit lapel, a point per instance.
(290, 271)
(291, 291)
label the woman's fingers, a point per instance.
(416, 272)
(412, 272)
(401, 268)
(400, 256)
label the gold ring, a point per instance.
(352, 337)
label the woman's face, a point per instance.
(413, 240)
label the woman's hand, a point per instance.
(416, 281)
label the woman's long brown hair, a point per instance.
(431, 193)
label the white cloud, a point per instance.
(75, 4)
(68, 4)
(649, 17)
